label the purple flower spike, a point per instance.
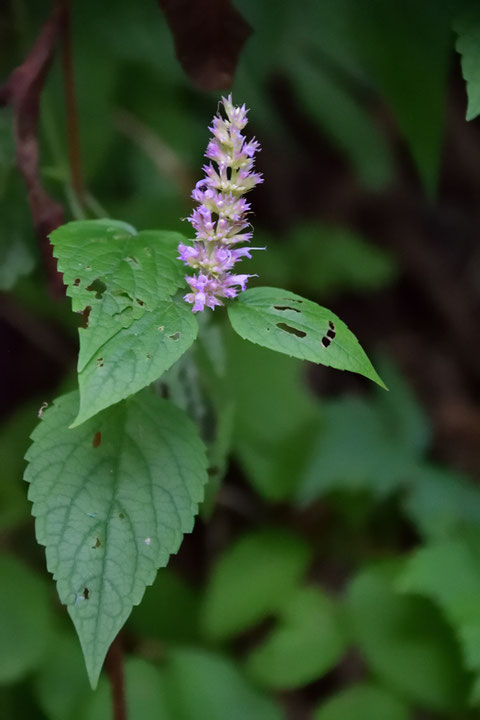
(220, 220)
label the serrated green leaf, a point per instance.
(124, 282)
(285, 322)
(135, 356)
(468, 45)
(363, 702)
(26, 624)
(204, 686)
(112, 500)
(251, 581)
(405, 640)
(448, 573)
(306, 644)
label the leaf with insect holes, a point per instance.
(112, 500)
(123, 282)
(285, 322)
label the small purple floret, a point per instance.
(220, 220)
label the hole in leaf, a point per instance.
(133, 259)
(285, 307)
(149, 357)
(331, 333)
(97, 439)
(175, 336)
(97, 544)
(100, 362)
(291, 330)
(86, 593)
(88, 267)
(140, 302)
(85, 317)
(77, 282)
(98, 287)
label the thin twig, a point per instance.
(116, 676)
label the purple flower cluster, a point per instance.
(220, 220)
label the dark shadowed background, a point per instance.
(337, 575)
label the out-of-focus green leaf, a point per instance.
(144, 691)
(17, 254)
(168, 611)
(405, 641)
(26, 627)
(448, 572)
(441, 502)
(14, 441)
(467, 27)
(112, 500)
(287, 323)
(330, 259)
(252, 580)
(135, 331)
(406, 47)
(306, 644)
(344, 119)
(61, 685)
(374, 445)
(204, 686)
(274, 417)
(363, 702)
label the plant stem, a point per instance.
(116, 676)
(73, 133)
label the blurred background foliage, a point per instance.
(336, 575)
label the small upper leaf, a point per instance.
(285, 322)
(122, 282)
(112, 500)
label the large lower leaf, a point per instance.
(287, 323)
(112, 500)
(122, 281)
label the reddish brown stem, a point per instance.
(116, 676)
